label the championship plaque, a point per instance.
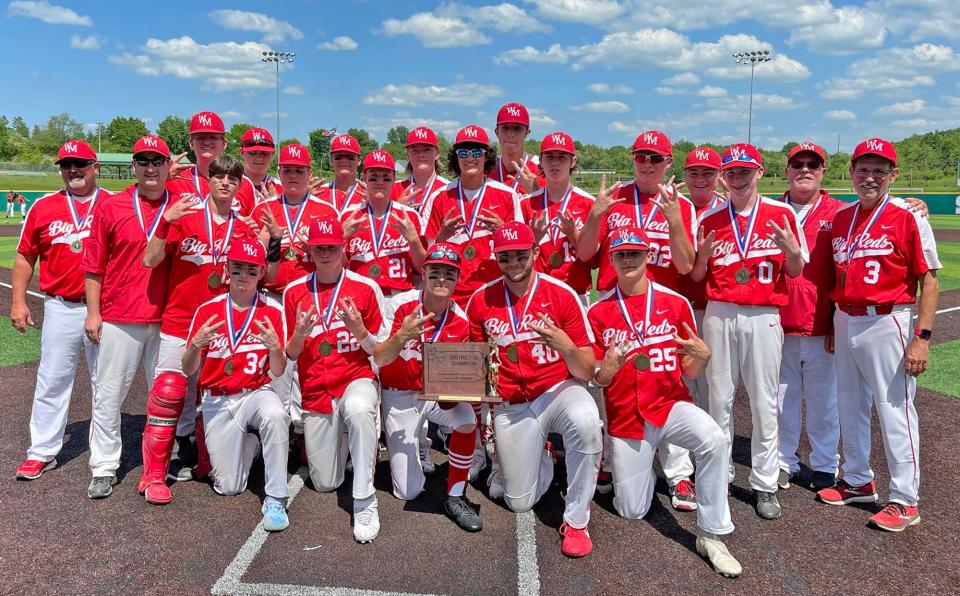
(455, 372)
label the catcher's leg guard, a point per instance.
(163, 409)
(203, 467)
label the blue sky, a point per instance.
(602, 70)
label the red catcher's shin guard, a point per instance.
(203, 467)
(163, 410)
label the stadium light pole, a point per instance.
(277, 58)
(753, 57)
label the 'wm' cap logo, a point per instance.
(420, 133)
(293, 152)
(875, 145)
(150, 142)
(380, 156)
(70, 147)
(808, 146)
(258, 136)
(702, 154)
(651, 138)
(205, 119)
(513, 110)
(342, 140)
(470, 132)
(249, 249)
(510, 234)
(325, 227)
(559, 139)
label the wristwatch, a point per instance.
(924, 334)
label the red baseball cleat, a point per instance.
(842, 493)
(683, 496)
(158, 493)
(576, 541)
(896, 517)
(31, 469)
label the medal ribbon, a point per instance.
(554, 224)
(743, 242)
(196, 183)
(852, 246)
(327, 312)
(803, 220)
(638, 210)
(639, 334)
(79, 225)
(235, 337)
(472, 222)
(426, 190)
(346, 200)
(514, 321)
(208, 223)
(156, 220)
(295, 224)
(439, 329)
(516, 176)
(378, 235)
(716, 201)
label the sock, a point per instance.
(460, 452)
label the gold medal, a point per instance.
(470, 252)
(374, 271)
(513, 354)
(326, 348)
(641, 362)
(228, 367)
(742, 276)
(290, 254)
(214, 280)
(556, 260)
(76, 246)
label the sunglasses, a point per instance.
(441, 253)
(156, 162)
(262, 144)
(465, 153)
(813, 166)
(66, 164)
(654, 158)
(631, 239)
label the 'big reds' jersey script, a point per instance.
(696, 291)
(639, 210)
(419, 197)
(500, 174)
(577, 203)
(537, 367)
(50, 232)
(190, 182)
(191, 251)
(406, 372)
(888, 258)
(131, 293)
(251, 359)
(808, 310)
(378, 250)
(767, 285)
(636, 396)
(325, 377)
(473, 238)
(292, 266)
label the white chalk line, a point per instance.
(29, 292)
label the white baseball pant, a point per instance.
(228, 421)
(747, 341)
(403, 417)
(287, 386)
(352, 428)
(869, 353)
(808, 376)
(122, 348)
(62, 340)
(521, 431)
(171, 360)
(692, 429)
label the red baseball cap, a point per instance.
(741, 155)
(422, 135)
(513, 112)
(75, 149)
(206, 122)
(653, 140)
(325, 230)
(472, 134)
(703, 157)
(513, 235)
(875, 146)
(628, 238)
(808, 147)
(256, 139)
(247, 249)
(558, 141)
(345, 143)
(294, 155)
(443, 253)
(379, 160)
(150, 143)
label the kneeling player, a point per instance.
(412, 318)
(235, 340)
(635, 325)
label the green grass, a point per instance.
(8, 249)
(16, 347)
(50, 183)
(945, 222)
(949, 276)
(941, 375)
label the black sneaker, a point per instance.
(462, 514)
(101, 487)
(822, 480)
(766, 504)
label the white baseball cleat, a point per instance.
(716, 552)
(366, 520)
(495, 482)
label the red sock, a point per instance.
(460, 452)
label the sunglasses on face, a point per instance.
(654, 158)
(144, 162)
(441, 253)
(465, 153)
(66, 164)
(813, 166)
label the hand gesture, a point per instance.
(269, 190)
(413, 325)
(568, 225)
(268, 335)
(251, 223)
(207, 333)
(406, 227)
(723, 190)
(176, 166)
(406, 197)
(316, 184)
(361, 184)
(351, 317)
(181, 208)
(606, 198)
(305, 321)
(693, 346)
(270, 228)
(539, 226)
(528, 180)
(20, 317)
(616, 356)
(452, 224)
(783, 237)
(551, 335)
(489, 220)
(354, 222)
(669, 202)
(705, 243)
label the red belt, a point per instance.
(864, 311)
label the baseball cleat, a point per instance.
(720, 558)
(101, 487)
(426, 461)
(178, 472)
(462, 514)
(495, 482)
(274, 515)
(683, 496)
(604, 482)
(843, 494)
(766, 504)
(31, 469)
(157, 493)
(785, 477)
(576, 541)
(366, 520)
(479, 463)
(822, 480)
(896, 517)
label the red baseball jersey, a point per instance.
(419, 198)
(295, 264)
(767, 284)
(53, 235)
(638, 396)
(331, 357)
(190, 251)
(250, 368)
(890, 254)
(475, 241)
(190, 182)
(406, 372)
(696, 291)
(21, 199)
(389, 264)
(260, 187)
(808, 310)
(500, 174)
(131, 293)
(639, 210)
(339, 200)
(529, 369)
(565, 266)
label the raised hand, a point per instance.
(528, 180)
(489, 220)
(669, 202)
(176, 166)
(606, 198)
(783, 237)
(551, 335)
(355, 222)
(268, 335)
(568, 225)
(305, 321)
(406, 227)
(207, 333)
(181, 208)
(452, 224)
(693, 346)
(413, 325)
(351, 317)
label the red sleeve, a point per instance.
(372, 317)
(247, 197)
(575, 321)
(195, 325)
(597, 327)
(29, 244)
(95, 251)
(289, 312)
(475, 318)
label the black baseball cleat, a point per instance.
(462, 514)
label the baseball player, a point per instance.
(882, 252)
(235, 344)
(423, 164)
(748, 248)
(11, 200)
(125, 300)
(645, 338)
(515, 167)
(333, 318)
(383, 235)
(544, 342)
(345, 189)
(53, 236)
(22, 201)
(257, 151)
(412, 318)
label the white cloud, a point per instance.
(501, 17)
(593, 12)
(684, 78)
(920, 21)
(662, 90)
(470, 94)
(46, 12)
(436, 32)
(709, 91)
(273, 30)
(925, 57)
(235, 115)
(839, 115)
(294, 90)
(905, 108)
(609, 107)
(607, 89)
(91, 42)
(273, 115)
(380, 126)
(853, 88)
(553, 55)
(912, 123)
(539, 120)
(781, 68)
(341, 43)
(849, 31)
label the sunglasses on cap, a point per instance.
(627, 239)
(443, 253)
(150, 161)
(464, 153)
(742, 157)
(654, 158)
(66, 164)
(810, 165)
(257, 144)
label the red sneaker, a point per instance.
(158, 493)
(576, 541)
(683, 496)
(896, 517)
(842, 493)
(31, 469)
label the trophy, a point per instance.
(454, 372)
(493, 370)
